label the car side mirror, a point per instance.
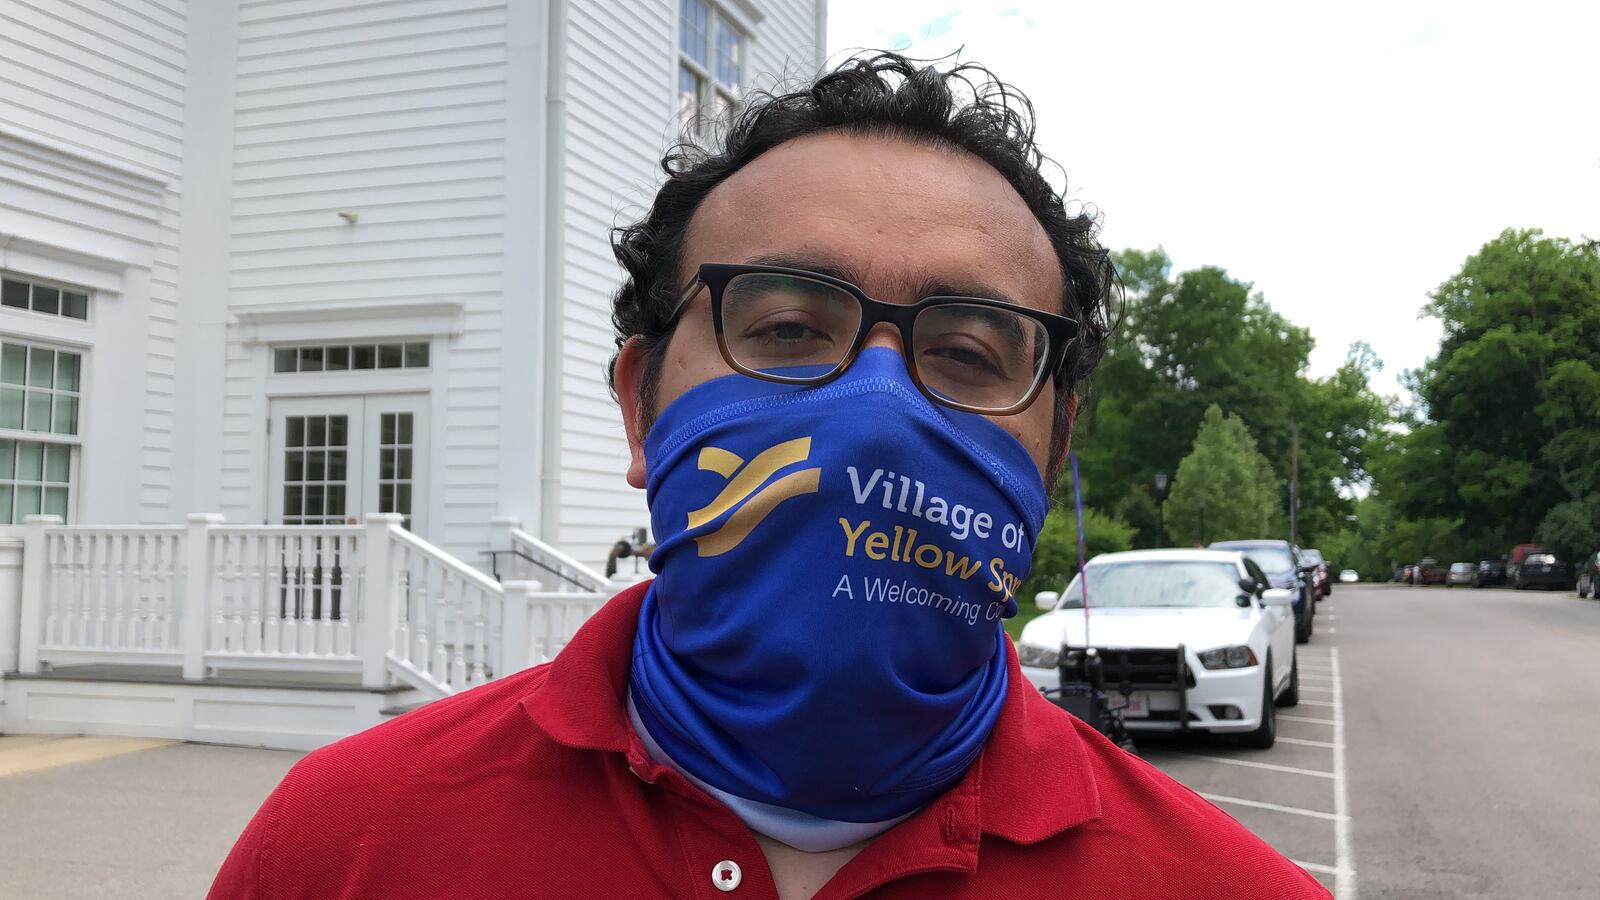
(1047, 600)
(1248, 585)
(1277, 597)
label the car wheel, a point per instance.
(1266, 734)
(1291, 694)
(1302, 633)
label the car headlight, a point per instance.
(1228, 658)
(1038, 657)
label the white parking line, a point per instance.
(1318, 702)
(1275, 807)
(1318, 867)
(1287, 718)
(1344, 874)
(1317, 687)
(1326, 745)
(1252, 764)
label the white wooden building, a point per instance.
(292, 262)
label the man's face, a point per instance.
(891, 216)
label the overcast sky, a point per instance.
(1345, 158)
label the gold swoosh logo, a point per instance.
(744, 479)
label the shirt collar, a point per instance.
(1031, 781)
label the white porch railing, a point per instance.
(519, 556)
(372, 600)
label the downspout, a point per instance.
(555, 161)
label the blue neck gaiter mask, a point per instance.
(832, 566)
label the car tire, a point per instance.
(1291, 694)
(1266, 734)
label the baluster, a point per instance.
(119, 593)
(217, 612)
(428, 612)
(391, 581)
(483, 606)
(271, 629)
(255, 593)
(173, 558)
(344, 594)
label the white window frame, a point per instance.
(74, 441)
(739, 17)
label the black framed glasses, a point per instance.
(798, 327)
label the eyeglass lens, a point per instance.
(792, 327)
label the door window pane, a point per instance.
(363, 356)
(74, 305)
(41, 367)
(394, 464)
(389, 356)
(10, 407)
(314, 487)
(14, 364)
(416, 356)
(338, 359)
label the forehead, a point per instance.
(895, 215)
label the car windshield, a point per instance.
(1314, 557)
(1270, 557)
(1461, 567)
(1173, 583)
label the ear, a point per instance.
(1066, 446)
(629, 377)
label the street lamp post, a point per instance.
(1161, 508)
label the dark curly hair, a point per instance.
(878, 94)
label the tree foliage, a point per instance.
(1224, 488)
(1201, 338)
(1506, 439)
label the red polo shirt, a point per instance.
(535, 785)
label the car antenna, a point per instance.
(1083, 579)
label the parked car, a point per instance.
(1460, 573)
(1321, 581)
(1490, 571)
(1285, 570)
(1430, 571)
(1516, 556)
(1199, 637)
(1349, 576)
(1541, 568)
(1589, 576)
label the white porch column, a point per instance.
(35, 582)
(381, 597)
(196, 593)
(515, 627)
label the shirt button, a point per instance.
(726, 875)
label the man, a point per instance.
(849, 339)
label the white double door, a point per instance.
(336, 458)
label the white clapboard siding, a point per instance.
(395, 110)
(97, 87)
(614, 143)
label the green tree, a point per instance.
(1506, 439)
(1224, 488)
(1199, 338)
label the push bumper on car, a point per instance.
(1207, 705)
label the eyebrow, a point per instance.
(930, 286)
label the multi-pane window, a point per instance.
(35, 477)
(39, 388)
(709, 51)
(18, 293)
(395, 448)
(316, 457)
(347, 357)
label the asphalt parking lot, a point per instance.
(1295, 796)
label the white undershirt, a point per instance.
(799, 830)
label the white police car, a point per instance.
(1196, 637)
